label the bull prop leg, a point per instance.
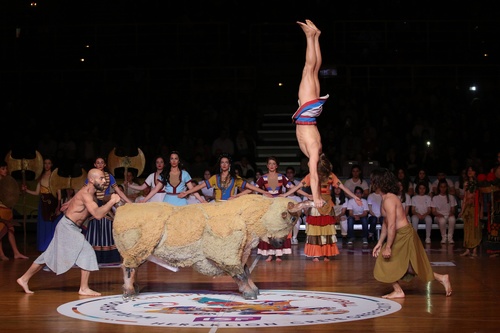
(250, 281)
(245, 284)
(130, 288)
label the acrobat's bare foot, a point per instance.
(278, 259)
(326, 259)
(466, 253)
(270, 258)
(24, 285)
(395, 294)
(445, 281)
(4, 258)
(309, 23)
(308, 30)
(315, 259)
(20, 256)
(88, 292)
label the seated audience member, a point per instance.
(421, 210)
(442, 175)
(246, 166)
(340, 200)
(356, 179)
(374, 214)
(357, 214)
(423, 177)
(404, 179)
(443, 208)
(405, 199)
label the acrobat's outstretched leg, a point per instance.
(309, 87)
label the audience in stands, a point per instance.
(443, 209)
(356, 180)
(357, 214)
(421, 210)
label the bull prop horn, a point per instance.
(295, 208)
(57, 182)
(24, 164)
(137, 162)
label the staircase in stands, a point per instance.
(276, 137)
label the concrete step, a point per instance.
(276, 137)
(276, 134)
(268, 123)
(278, 147)
(291, 149)
(278, 115)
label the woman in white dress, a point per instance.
(152, 180)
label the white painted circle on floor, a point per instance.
(273, 308)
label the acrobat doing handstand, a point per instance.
(310, 107)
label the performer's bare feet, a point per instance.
(445, 281)
(308, 30)
(466, 253)
(270, 258)
(20, 256)
(326, 259)
(4, 258)
(395, 294)
(309, 23)
(24, 285)
(278, 259)
(315, 259)
(88, 292)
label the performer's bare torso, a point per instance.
(400, 219)
(309, 138)
(77, 211)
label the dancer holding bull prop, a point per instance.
(69, 247)
(99, 231)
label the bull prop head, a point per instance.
(294, 209)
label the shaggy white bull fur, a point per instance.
(214, 239)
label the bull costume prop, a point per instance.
(215, 239)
